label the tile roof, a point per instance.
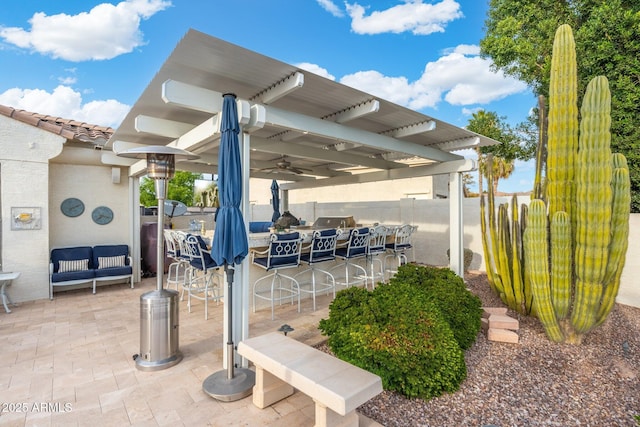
(70, 129)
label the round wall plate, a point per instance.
(72, 207)
(102, 215)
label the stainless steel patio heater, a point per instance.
(159, 315)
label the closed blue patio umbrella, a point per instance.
(230, 246)
(275, 200)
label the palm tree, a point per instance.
(502, 169)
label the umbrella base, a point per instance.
(220, 387)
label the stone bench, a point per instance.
(336, 387)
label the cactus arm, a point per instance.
(593, 204)
(621, 186)
(505, 255)
(528, 295)
(538, 192)
(493, 234)
(561, 264)
(619, 237)
(516, 256)
(537, 262)
(563, 123)
(488, 254)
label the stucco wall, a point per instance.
(92, 185)
(24, 182)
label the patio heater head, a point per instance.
(161, 163)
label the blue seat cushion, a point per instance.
(259, 226)
(208, 262)
(114, 271)
(73, 275)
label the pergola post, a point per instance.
(456, 224)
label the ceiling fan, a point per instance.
(285, 166)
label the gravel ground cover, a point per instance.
(535, 382)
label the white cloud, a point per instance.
(331, 7)
(104, 32)
(69, 80)
(412, 16)
(66, 103)
(470, 111)
(394, 89)
(316, 69)
(457, 78)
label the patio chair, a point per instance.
(375, 249)
(350, 252)
(400, 245)
(201, 274)
(283, 253)
(321, 249)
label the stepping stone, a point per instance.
(502, 335)
(500, 321)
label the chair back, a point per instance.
(284, 251)
(358, 242)
(180, 239)
(377, 240)
(402, 238)
(171, 244)
(323, 246)
(200, 257)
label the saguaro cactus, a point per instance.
(575, 237)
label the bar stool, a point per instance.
(176, 272)
(375, 249)
(400, 245)
(283, 252)
(202, 272)
(321, 249)
(355, 248)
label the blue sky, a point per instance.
(90, 60)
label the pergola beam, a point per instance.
(299, 122)
(282, 88)
(299, 150)
(355, 112)
(413, 129)
(161, 127)
(460, 144)
(464, 165)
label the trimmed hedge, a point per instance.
(461, 308)
(400, 331)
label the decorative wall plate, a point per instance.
(72, 207)
(102, 215)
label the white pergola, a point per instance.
(336, 134)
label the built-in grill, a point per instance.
(334, 222)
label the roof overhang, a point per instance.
(328, 131)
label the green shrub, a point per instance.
(398, 334)
(461, 308)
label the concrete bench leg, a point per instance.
(325, 417)
(269, 389)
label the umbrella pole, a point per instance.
(230, 384)
(229, 272)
